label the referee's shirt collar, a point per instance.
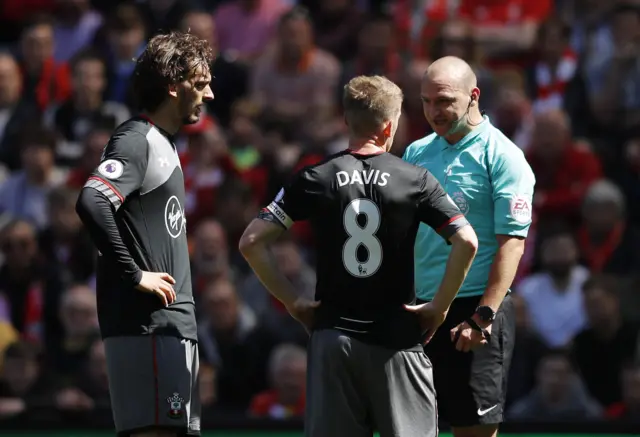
(471, 136)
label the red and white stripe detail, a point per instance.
(107, 189)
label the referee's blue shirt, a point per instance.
(489, 179)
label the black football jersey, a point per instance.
(365, 211)
(141, 178)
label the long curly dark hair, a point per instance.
(168, 59)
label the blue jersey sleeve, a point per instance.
(513, 183)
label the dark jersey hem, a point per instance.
(180, 430)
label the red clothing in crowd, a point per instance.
(266, 404)
(417, 41)
(21, 10)
(54, 84)
(201, 188)
(501, 12)
(560, 189)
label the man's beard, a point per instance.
(560, 271)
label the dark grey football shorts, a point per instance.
(355, 388)
(153, 381)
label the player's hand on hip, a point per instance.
(160, 284)
(303, 310)
(430, 318)
(466, 338)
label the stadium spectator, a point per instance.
(607, 243)
(236, 207)
(90, 389)
(208, 391)
(564, 169)
(505, 25)
(65, 242)
(210, 256)
(628, 176)
(29, 287)
(609, 342)
(23, 383)
(125, 36)
(76, 26)
(92, 149)
(336, 24)
(512, 112)
(207, 164)
(24, 194)
(69, 353)
(615, 93)
(294, 267)
(85, 109)
(236, 16)
(418, 22)
(528, 351)
(231, 75)
(14, 111)
(296, 80)
(629, 408)
(553, 296)
(231, 334)
(375, 52)
(559, 394)
(287, 372)
(46, 81)
(554, 80)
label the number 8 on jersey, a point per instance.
(362, 236)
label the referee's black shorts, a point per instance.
(471, 387)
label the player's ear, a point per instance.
(173, 90)
(387, 131)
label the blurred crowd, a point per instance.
(560, 78)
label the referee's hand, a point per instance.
(466, 338)
(160, 284)
(430, 318)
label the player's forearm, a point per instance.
(503, 270)
(463, 251)
(97, 215)
(264, 266)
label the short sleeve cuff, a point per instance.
(453, 225)
(513, 231)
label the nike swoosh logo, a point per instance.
(482, 412)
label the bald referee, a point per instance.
(489, 179)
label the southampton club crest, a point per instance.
(176, 404)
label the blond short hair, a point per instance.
(369, 102)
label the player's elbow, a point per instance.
(250, 242)
(466, 239)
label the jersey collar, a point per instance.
(471, 136)
(358, 153)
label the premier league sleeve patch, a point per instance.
(111, 169)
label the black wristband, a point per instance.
(486, 334)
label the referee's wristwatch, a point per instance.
(486, 315)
